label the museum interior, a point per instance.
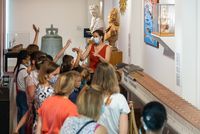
(101, 66)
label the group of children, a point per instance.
(64, 98)
(49, 94)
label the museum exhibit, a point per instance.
(100, 66)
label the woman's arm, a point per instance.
(62, 51)
(39, 125)
(107, 56)
(101, 130)
(37, 30)
(86, 53)
(123, 124)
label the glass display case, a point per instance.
(14, 39)
(164, 19)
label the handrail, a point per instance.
(169, 98)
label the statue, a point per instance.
(111, 33)
(96, 21)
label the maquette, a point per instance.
(96, 21)
(164, 20)
(111, 34)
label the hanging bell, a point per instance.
(51, 42)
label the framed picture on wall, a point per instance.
(149, 9)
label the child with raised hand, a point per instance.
(68, 62)
(46, 77)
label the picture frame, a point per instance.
(149, 6)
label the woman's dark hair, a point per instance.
(23, 54)
(100, 33)
(66, 63)
(154, 115)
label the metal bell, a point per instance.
(51, 42)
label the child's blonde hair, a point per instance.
(105, 77)
(89, 102)
(65, 83)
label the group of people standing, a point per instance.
(69, 98)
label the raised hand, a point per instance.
(35, 28)
(59, 54)
(69, 41)
(75, 49)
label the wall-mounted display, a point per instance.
(149, 8)
(164, 20)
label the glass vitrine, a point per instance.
(164, 19)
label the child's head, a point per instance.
(65, 83)
(105, 77)
(32, 48)
(47, 71)
(49, 57)
(90, 101)
(67, 63)
(37, 56)
(154, 116)
(40, 61)
(84, 72)
(78, 79)
(22, 58)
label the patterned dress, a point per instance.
(73, 124)
(41, 93)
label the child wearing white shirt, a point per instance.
(115, 112)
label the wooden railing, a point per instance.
(182, 116)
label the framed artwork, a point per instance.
(149, 6)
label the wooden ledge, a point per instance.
(173, 101)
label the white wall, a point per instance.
(198, 57)
(186, 46)
(69, 16)
(136, 33)
(108, 4)
(151, 59)
(159, 66)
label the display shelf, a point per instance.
(168, 44)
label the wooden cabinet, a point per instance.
(4, 110)
(116, 57)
